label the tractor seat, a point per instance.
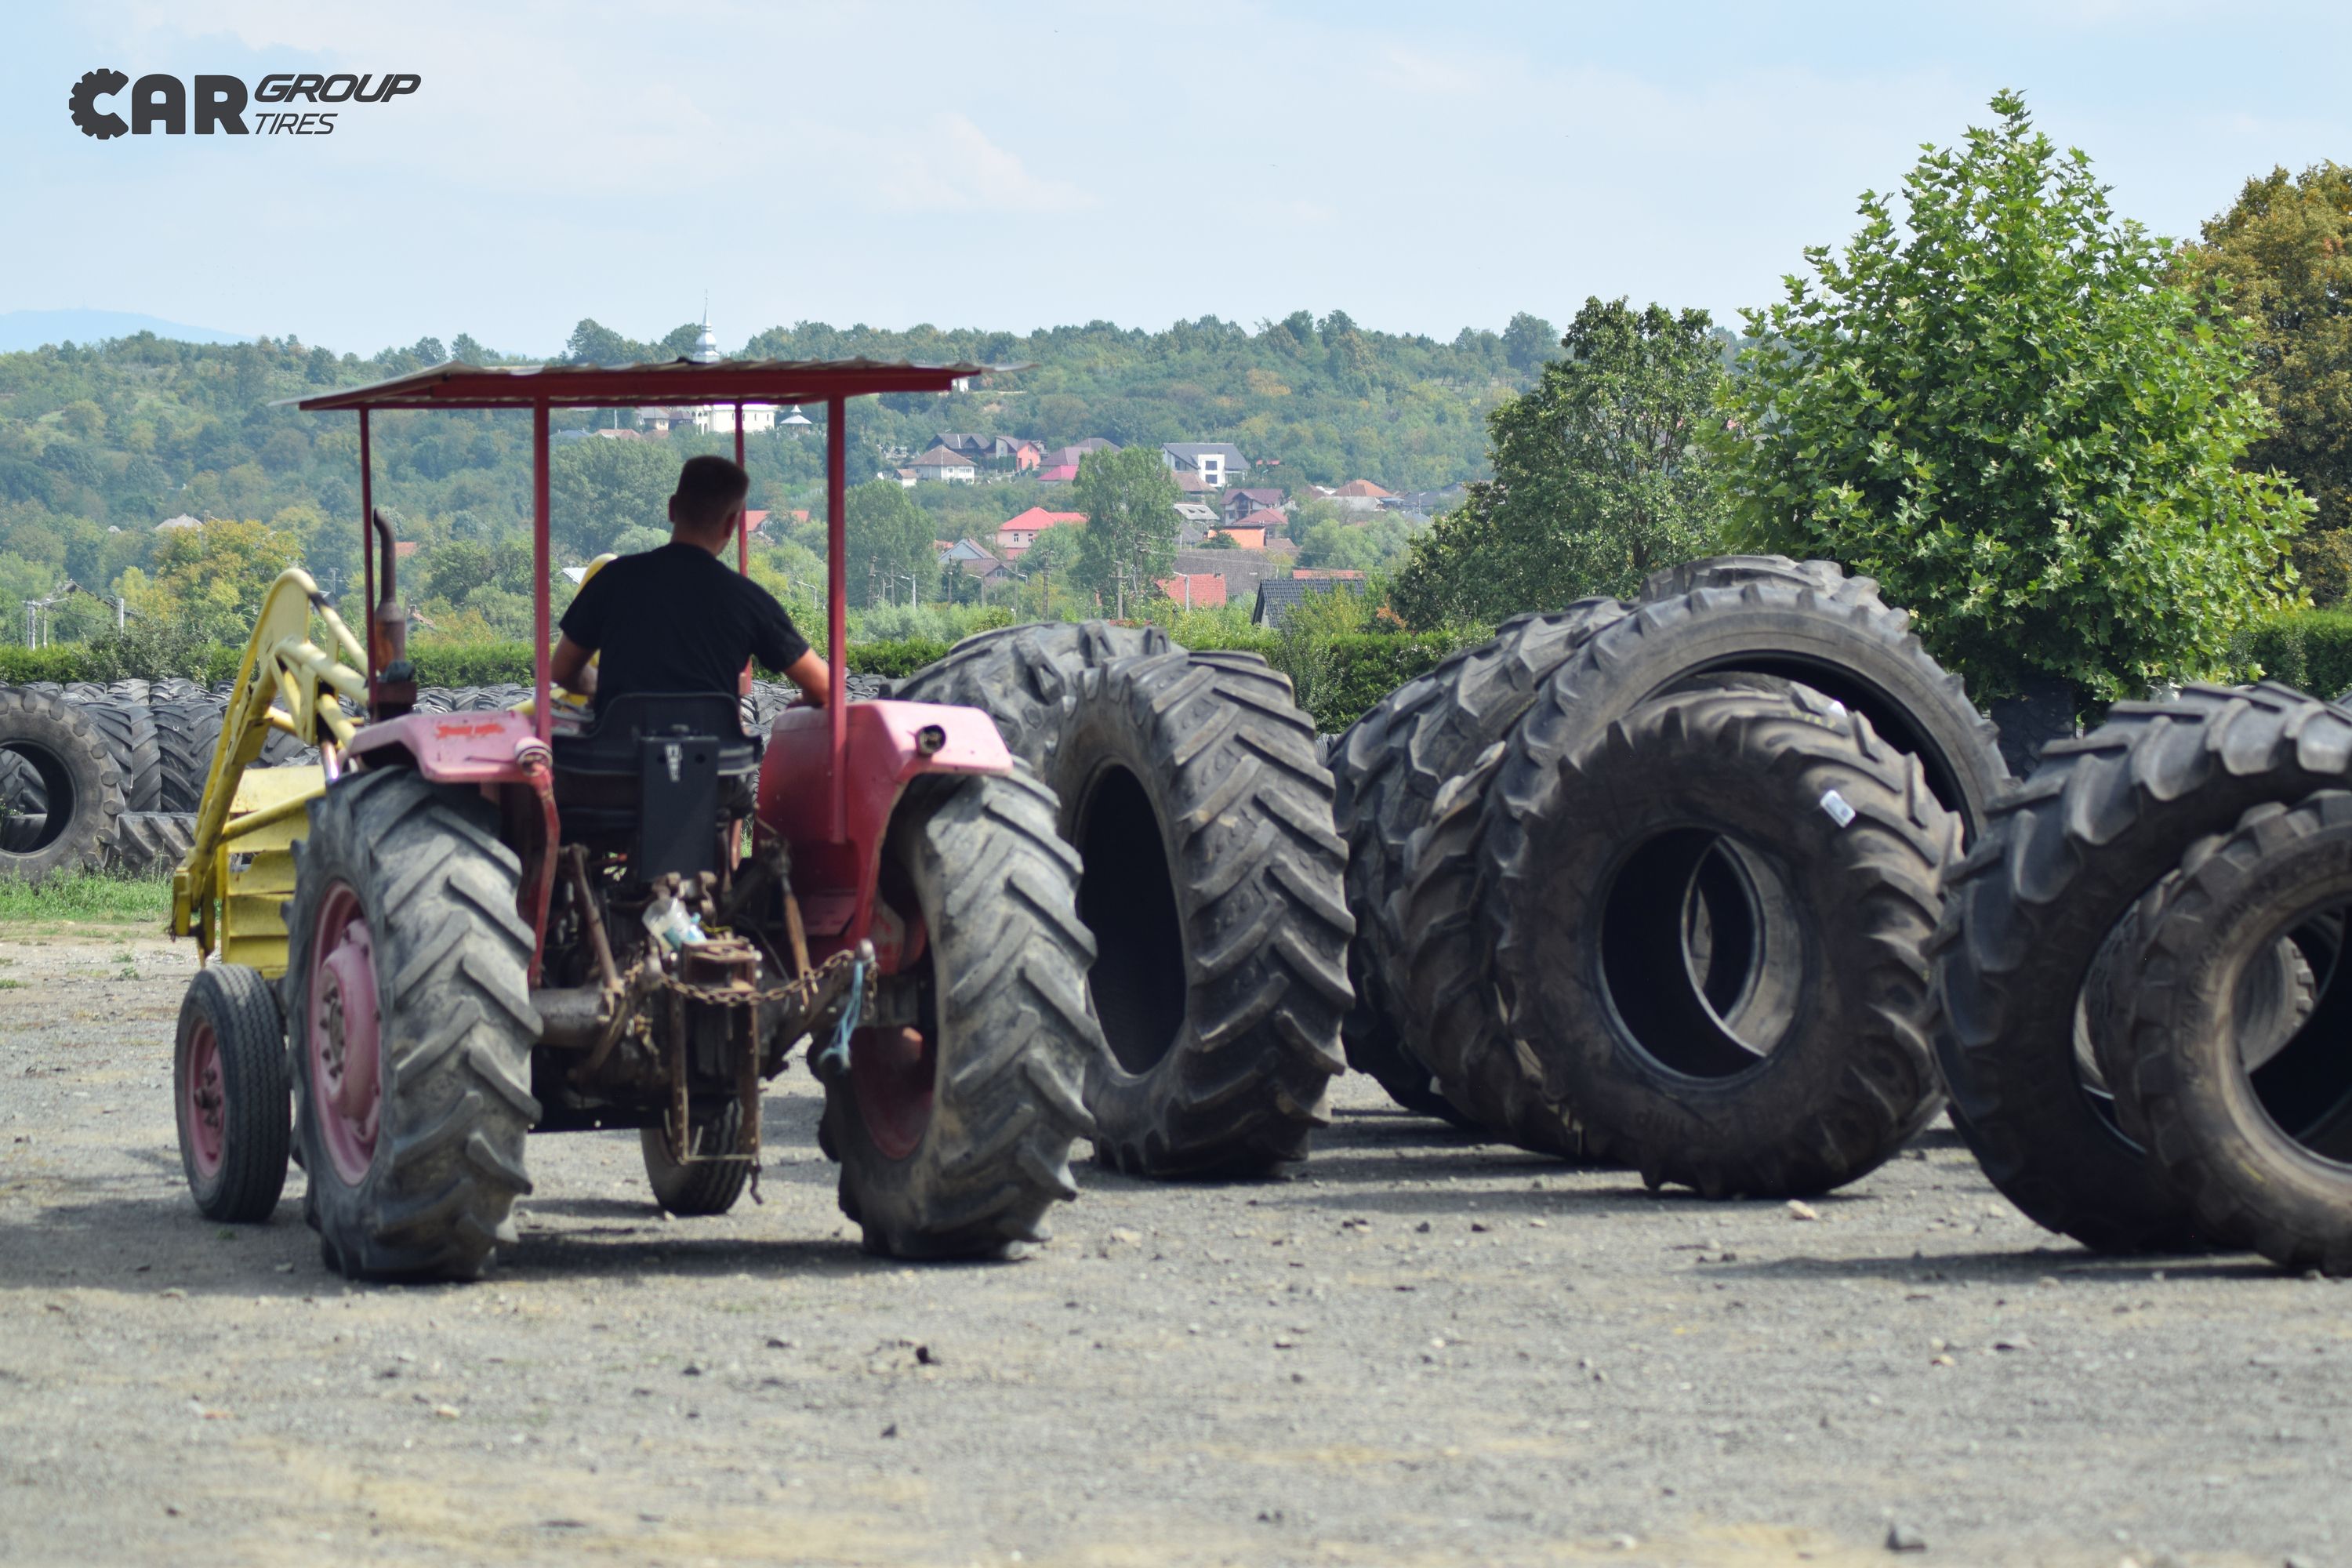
(656, 778)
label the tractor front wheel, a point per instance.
(954, 1134)
(228, 1081)
(407, 994)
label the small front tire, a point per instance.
(229, 1081)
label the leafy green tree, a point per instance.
(2282, 259)
(2001, 409)
(1599, 477)
(886, 539)
(214, 576)
(1130, 540)
(597, 490)
(1528, 343)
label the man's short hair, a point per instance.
(708, 488)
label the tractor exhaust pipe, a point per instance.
(393, 689)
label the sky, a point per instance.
(1423, 166)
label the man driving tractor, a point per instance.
(676, 619)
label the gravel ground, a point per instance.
(1421, 1351)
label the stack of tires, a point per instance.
(1192, 788)
(2140, 986)
(1653, 882)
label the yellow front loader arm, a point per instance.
(240, 868)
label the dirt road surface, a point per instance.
(1421, 1351)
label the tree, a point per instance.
(214, 576)
(2281, 259)
(1130, 542)
(2002, 411)
(886, 539)
(1528, 342)
(598, 490)
(1599, 475)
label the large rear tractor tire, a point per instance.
(80, 788)
(412, 1027)
(2253, 1132)
(150, 845)
(1213, 883)
(1386, 771)
(128, 729)
(187, 732)
(698, 1188)
(2065, 858)
(954, 1134)
(1678, 1068)
(228, 1081)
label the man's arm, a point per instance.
(570, 667)
(809, 673)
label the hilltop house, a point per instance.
(1076, 452)
(1195, 590)
(1360, 496)
(1213, 463)
(1240, 502)
(1016, 534)
(946, 465)
(1276, 599)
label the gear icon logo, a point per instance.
(82, 103)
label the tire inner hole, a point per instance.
(1127, 900)
(1701, 952)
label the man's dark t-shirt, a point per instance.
(677, 619)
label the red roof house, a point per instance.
(1195, 590)
(1016, 534)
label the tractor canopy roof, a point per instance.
(679, 381)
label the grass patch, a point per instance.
(86, 898)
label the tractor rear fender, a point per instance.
(890, 745)
(500, 753)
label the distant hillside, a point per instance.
(101, 442)
(21, 330)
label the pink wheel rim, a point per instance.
(203, 1103)
(343, 1032)
(893, 1071)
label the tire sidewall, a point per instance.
(2250, 1179)
(1601, 1068)
(49, 726)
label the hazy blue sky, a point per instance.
(1421, 165)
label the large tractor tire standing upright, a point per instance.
(62, 763)
(954, 1133)
(1190, 787)
(407, 999)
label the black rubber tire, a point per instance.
(701, 1187)
(437, 890)
(2102, 820)
(24, 805)
(187, 732)
(128, 729)
(257, 1118)
(1837, 638)
(1386, 770)
(150, 845)
(1213, 883)
(2261, 1158)
(81, 788)
(1591, 965)
(1004, 1009)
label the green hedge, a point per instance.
(23, 666)
(2308, 649)
(1335, 677)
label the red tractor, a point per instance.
(484, 924)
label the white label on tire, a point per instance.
(1834, 804)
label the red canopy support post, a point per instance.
(367, 555)
(742, 529)
(542, 713)
(836, 606)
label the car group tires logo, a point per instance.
(83, 103)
